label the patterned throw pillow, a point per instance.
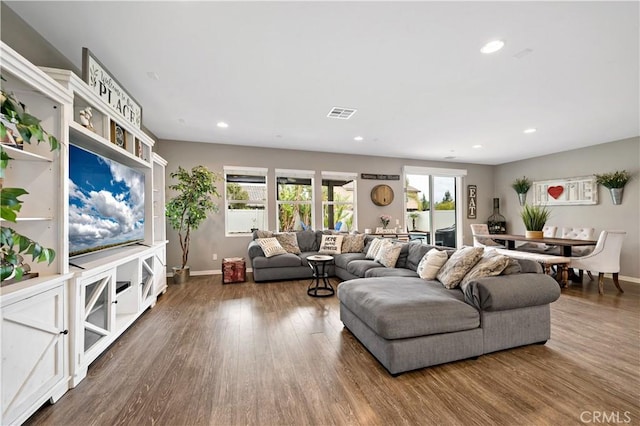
(490, 264)
(270, 246)
(288, 241)
(512, 268)
(353, 243)
(374, 248)
(388, 254)
(263, 234)
(431, 263)
(331, 244)
(460, 262)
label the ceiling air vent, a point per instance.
(341, 113)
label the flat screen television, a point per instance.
(106, 203)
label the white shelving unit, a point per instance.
(55, 325)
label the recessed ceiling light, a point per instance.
(222, 124)
(492, 46)
(532, 130)
(477, 146)
(358, 138)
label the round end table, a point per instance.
(318, 264)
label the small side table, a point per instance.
(318, 264)
(234, 270)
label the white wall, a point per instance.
(602, 158)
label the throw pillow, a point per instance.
(374, 248)
(353, 243)
(263, 234)
(431, 263)
(271, 246)
(288, 241)
(388, 254)
(460, 262)
(490, 264)
(331, 244)
(512, 268)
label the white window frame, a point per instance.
(249, 171)
(342, 176)
(302, 174)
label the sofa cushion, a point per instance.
(388, 254)
(416, 252)
(331, 244)
(359, 267)
(389, 272)
(409, 307)
(353, 243)
(342, 260)
(490, 264)
(288, 241)
(431, 263)
(513, 267)
(374, 248)
(404, 254)
(307, 241)
(459, 263)
(271, 246)
(283, 260)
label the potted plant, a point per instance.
(17, 126)
(189, 208)
(413, 216)
(521, 186)
(615, 182)
(534, 218)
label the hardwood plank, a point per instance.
(268, 354)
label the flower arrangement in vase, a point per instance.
(385, 219)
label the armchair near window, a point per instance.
(604, 259)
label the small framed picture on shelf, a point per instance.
(118, 135)
(138, 148)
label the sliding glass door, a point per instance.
(432, 210)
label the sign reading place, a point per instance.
(103, 84)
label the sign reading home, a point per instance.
(108, 89)
(566, 191)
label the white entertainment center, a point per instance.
(55, 325)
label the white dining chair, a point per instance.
(483, 229)
(604, 259)
(548, 231)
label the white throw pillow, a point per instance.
(331, 244)
(374, 248)
(383, 245)
(431, 263)
(270, 246)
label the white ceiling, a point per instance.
(413, 70)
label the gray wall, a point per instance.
(602, 158)
(210, 237)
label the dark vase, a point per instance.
(497, 223)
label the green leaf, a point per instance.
(19, 273)
(25, 132)
(30, 120)
(53, 142)
(3, 131)
(37, 132)
(5, 271)
(8, 214)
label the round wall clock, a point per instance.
(119, 136)
(382, 195)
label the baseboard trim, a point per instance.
(211, 272)
(625, 278)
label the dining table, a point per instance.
(565, 244)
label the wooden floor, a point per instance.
(267, 354)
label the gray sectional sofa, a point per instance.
(407, 322)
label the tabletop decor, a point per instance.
(521, 186)
(615, 182)
(534, 218)
(385, 219)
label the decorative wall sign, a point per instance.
(379, 177)
(103, 84)
(569, 191)
(472, 198)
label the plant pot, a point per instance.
(534, 234)
(181, 276)
(616, 195)
(522, 197)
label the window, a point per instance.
(339, 201)
(294, 199)
(245, 200)
(431, 205)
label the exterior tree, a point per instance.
(236, 193)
